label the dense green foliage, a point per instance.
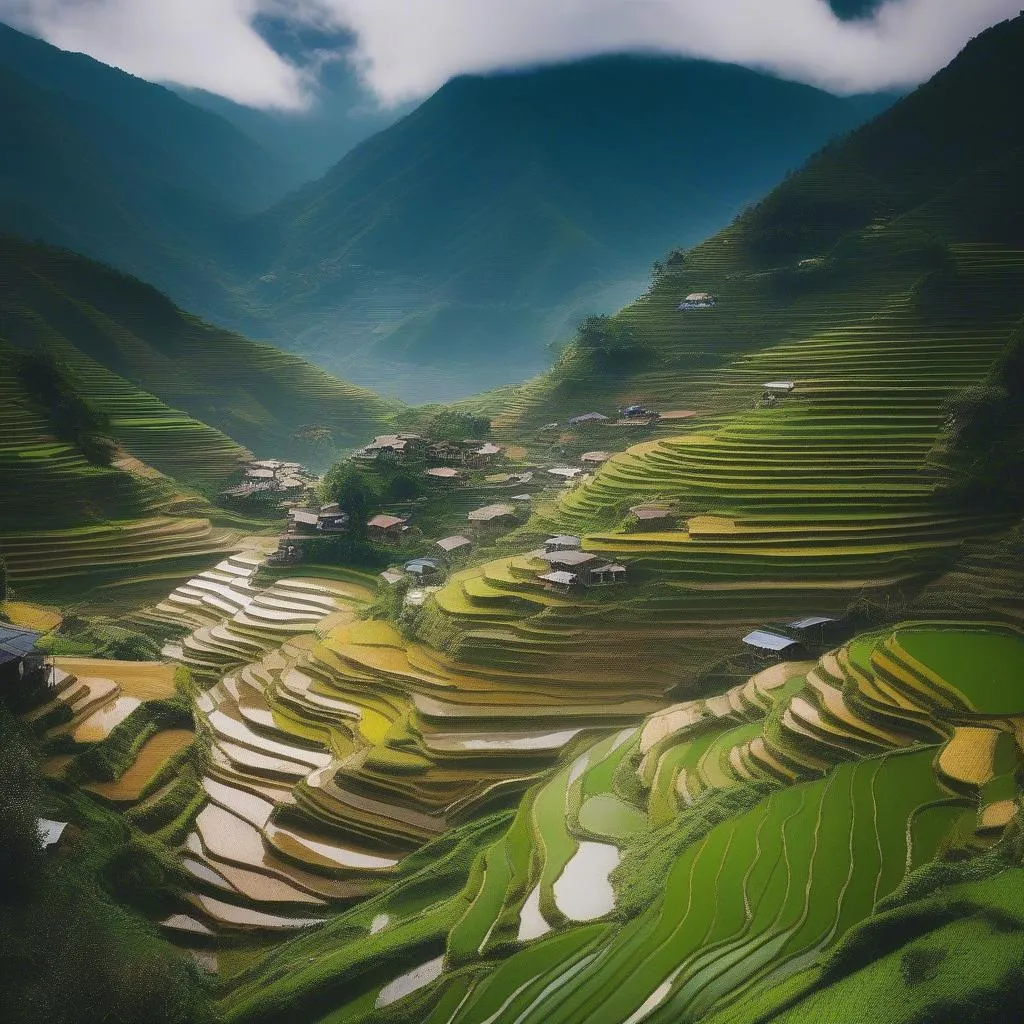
(985, 438)
(451, 424)
(69, 953)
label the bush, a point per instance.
(21, 851)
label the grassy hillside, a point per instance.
(505, 207)
(125, 337)
(123, 170)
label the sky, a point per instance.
(405, 49)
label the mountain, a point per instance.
(123, 170)
(342, 111)
(480, 227)
(123, 337)
(865, 221)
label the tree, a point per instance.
(20, 848)
(346, 484)
(609, 343)
(454, 425)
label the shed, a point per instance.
(332, 522)
(392, 577)
(421, 567)
(588, 417)
(21, 665)
(50, 832)
(820, 629)
(560, 580)
(491, 513)
(564, 542)
(456, 543)
(260, 474)
(443, 473)
(566, 472)
(652, 514)
(608, 574)
(767, 642)
(780, 386)
(487, 450)
(595, 458)
(304, 517)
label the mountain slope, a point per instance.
(886, 214)
(115, 327)
(477, 228)
(123, 170)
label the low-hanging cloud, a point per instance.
(407, 48)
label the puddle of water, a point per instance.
(531, 921)
(583, 891)
(411, 981)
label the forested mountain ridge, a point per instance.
(506, 206)
(123, 170)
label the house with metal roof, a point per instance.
(23, 673)
(456, 543)
(588, 417)
(560, 580)
(568, 559)
(422, 568)
(491, 514)
(770, 644)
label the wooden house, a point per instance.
(491, 517)
(563, 542)
(698, 300)
(772, 646)
(560, 580)
(386, 529)
(24, 676)
(608, 575)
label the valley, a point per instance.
(678, 682)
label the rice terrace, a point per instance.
(502, 533)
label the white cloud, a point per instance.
(407, 48)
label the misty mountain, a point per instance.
(123, 170)
(479, 228)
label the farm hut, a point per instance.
(698, 300)
(605, 575)
(773, 645)
(50, 832)
(443, 473)
(392, 577)
(588, 417)
(595, 458)
(779, 387)
(568, 559)
(654, 515)
(422, 568)
(820, 630)
(386, 528)
(302, 520)
(524, 499)
(491, 516)
(257, 473)
(450, 545)
(560, 580)
(23, 674)
(477, 453)
(566, 472)
(564, 542)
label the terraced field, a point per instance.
(783, 510)
(815, 786)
